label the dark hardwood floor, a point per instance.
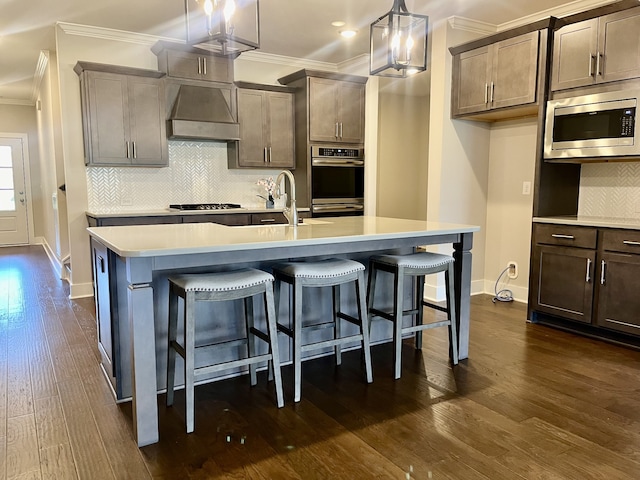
(531, 402)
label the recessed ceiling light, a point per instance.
(348, 33)
(338, 23)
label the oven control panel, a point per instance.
(333, 152)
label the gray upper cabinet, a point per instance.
(336, 111)
(503, 74)
(123, 114)
(182, 61)
(596, 51)
(266, 117)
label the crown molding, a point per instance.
(355, 64)
(111, 34)
(272, 58)
(474, 26)
(41, 68)
(570, 8)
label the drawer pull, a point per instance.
(630, 242)
(268, 220)
(603, 265)
(566, 237)
(588, 279)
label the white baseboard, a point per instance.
(55, 261)
(520, 294)
(434, 293)
(81, 290)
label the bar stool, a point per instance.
(218, 287)
(414, 265)
(324, 273)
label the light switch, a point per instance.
(526, 188)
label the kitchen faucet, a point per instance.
(291, 212)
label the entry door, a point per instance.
(13, 200)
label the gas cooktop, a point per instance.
(205, 206)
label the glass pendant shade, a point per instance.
(224, 27)
(398, 43)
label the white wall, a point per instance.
(511, 162)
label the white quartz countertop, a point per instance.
(181, 239)
(172, 212)
(604, 222)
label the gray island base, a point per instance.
(132, 263)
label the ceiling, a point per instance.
(295, 28)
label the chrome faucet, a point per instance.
(291, 212)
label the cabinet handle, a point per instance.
(270, 157)
(341, 133)
(128, 150)
(204, 65)
(199, 66)
(602, 270)
(588, 279)
(493, 89)
(264, 155)
(600, 63)
(101, 262)
(337, 131)
(592, 66)
(486, 92)
(133, 149)
(629, 242)
(566, 237)
(267, 220)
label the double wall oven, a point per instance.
(337, 180)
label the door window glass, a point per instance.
(7, 195)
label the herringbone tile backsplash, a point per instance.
(197, 173)
(610, 190)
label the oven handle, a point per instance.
(323, 162)
(337, 208)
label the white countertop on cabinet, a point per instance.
(173, 212)
(178, 239)
(579, 220)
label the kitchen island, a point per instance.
(132, 263)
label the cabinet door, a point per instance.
(323, 110)
(108, 118)
(514, 71)
(619, 46)
(563, 281)
(280, 126)
(253, 140)
(574, 55)
(147, 122)
(471, 78)
(351, 112)
(102, 297)
(618, 300)
(198, 67)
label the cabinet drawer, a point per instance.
(625, 241)
(268, 218)
(570, 236)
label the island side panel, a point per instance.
(462, 269)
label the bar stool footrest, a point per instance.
(233, 364)
(330, 343)
(434, 306)
(425, 326)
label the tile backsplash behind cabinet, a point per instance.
(197, 172)
(610, 190)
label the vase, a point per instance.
(270, 202)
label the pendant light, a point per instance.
(398, 43)
(224, 27)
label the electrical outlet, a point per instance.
(513, 269)
(526, 188)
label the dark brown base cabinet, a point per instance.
(587, 276)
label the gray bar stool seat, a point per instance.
(324, 273)
(218, 287)
(414, 265)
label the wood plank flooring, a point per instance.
(531, 403)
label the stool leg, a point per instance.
(451, 313)
(363, 316)
(251, 339)
(371, 290)
(297, 341)
(172, 334)
(397, 318)
(420, 317)
(273, 343)
(337, 332)
(189, 349)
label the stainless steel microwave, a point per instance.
(598, 125)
